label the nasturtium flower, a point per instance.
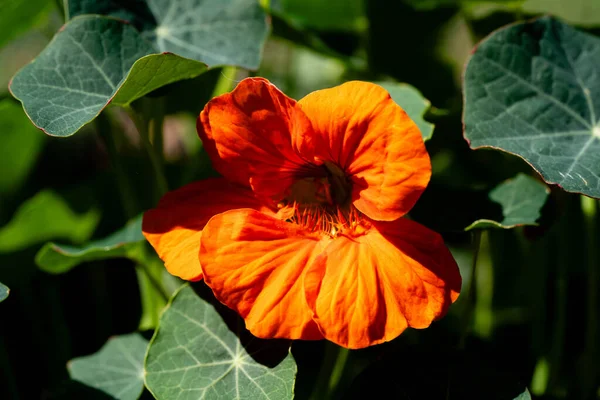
(304, 235)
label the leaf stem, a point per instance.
(143, 266)
(337, 372)
(157, 166)
(106, 132)
(590, 353)
(467, 317)
(334, 363)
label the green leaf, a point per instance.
(332, 15)
(521, 199)
(413, 102)
(578, 12)
(4, 291)
(433, 4)
(78, 73)
(216, 32)
(61, 97)
(116, 369)
(94, 59)
(533, 90)
(44, 217)
(524, 396)
(18, 16)
(57, 259)
(21, 145)
(155, 71)
(193, 355)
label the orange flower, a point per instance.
(303, 236)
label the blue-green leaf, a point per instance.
(413, 102)
(4, 291)
(194, 355)
(521, 199)
(533, 90)
(116, 369)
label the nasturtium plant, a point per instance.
(22, 145)
(533, 90)
(195, 354)
(43, 217)
(117, 369)
(578, 12)
(19, 15)
(413, 102)
(524, 396)
(4, 291)
(59, 258)
(521, 198)
(276, 199)
(96, 60)
(216, 32)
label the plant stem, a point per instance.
(467, 317)
(104, 128)
(338, 370)
(157, 167)
(334, 363)
(143, 266)
(590, 353)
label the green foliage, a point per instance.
(44, 217)
(413, 102)
(216, 32)
(96, 59)
(57, 259)
(578, 12)
(521, 198)
(530, 89)
(333, 15)
(78, 73)
(116, 369)
(4, 291)
(194, 354)
(20, 15)
(533, 90)
(21, 146)
(524, 396)
(155, 71)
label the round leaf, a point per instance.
(194, 355)
(4, 291)
(533, 90)
(521, 198)
(413, 102)
(90, 62)
(216, 32)
(116, 369)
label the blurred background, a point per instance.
(522, 320)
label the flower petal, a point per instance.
(368, 289)
(175, 226)
(248, 136)
(361, 129)
(254, 264)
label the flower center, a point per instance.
(329, 187)
(323, 204)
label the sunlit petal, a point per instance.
(254, 264)
(361, 129)
(175, 226)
